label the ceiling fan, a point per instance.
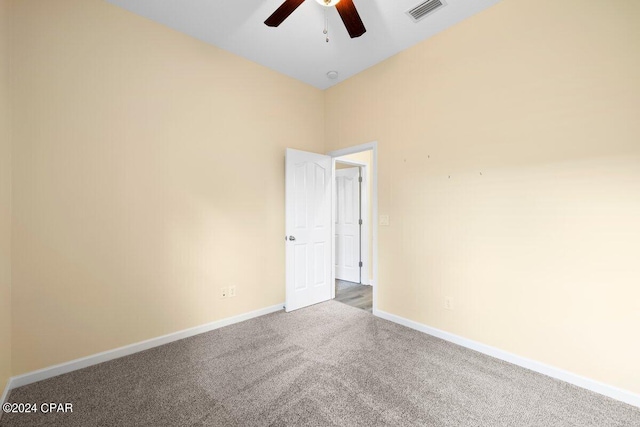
(346, 10)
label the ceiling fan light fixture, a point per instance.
(346, 9)
(328, 3)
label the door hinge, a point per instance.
(360, 221)
(360, 263)
(359, 179)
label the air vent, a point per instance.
(424, 9)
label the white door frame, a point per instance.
(364, 201)
(373, 146)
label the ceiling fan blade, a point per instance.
(351, 18)
(283, 12)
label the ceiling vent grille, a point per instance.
(425, 8)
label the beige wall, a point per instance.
(5, 201)
(540, 252)
(148, 173)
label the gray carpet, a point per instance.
(325, 365)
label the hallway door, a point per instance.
(347, 227)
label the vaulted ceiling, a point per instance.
(298, 47)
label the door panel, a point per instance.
(308, 221)
(319, 252)
(348, 251)
(347, 227)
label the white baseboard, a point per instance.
(366, 281)
(5, 394)
(551, 371)
(63, 368)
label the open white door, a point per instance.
(308, 228)
(348, 224)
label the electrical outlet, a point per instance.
(232, 291)
(224, 292)
(448, 303)
(383, 220)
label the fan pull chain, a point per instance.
(326, 26)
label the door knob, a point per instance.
(292, 238)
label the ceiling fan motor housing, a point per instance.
(346, 10)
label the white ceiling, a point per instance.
(297, 47)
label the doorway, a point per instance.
(352, 229)
(310, 226)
